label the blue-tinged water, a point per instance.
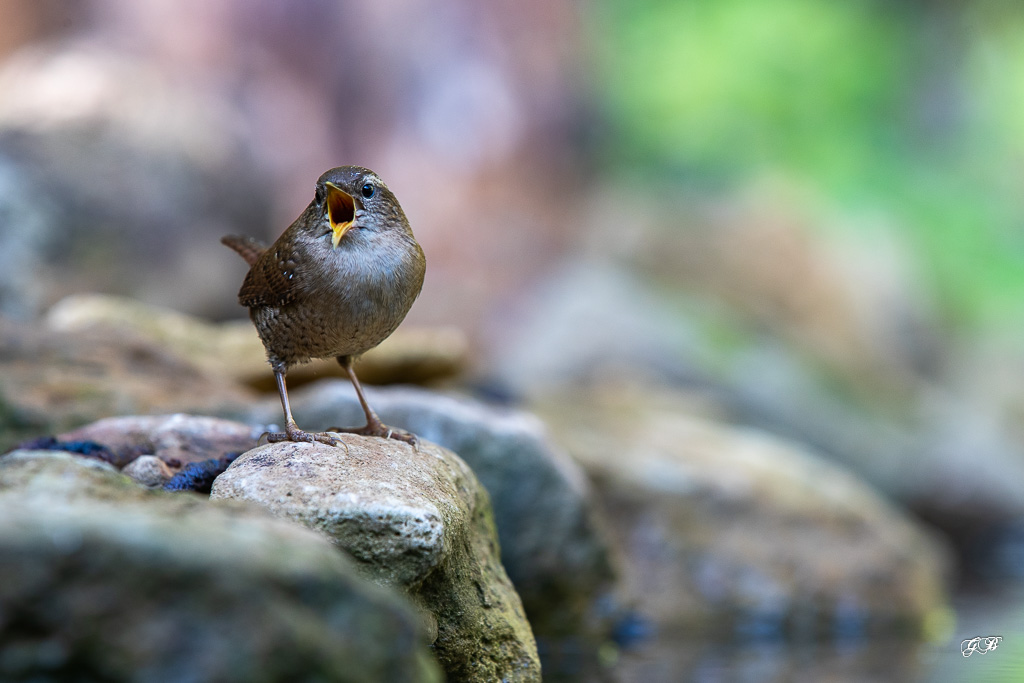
(849, 658)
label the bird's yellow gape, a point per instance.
(341, 211)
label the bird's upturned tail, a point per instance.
(247, 247)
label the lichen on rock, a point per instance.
(415, 519)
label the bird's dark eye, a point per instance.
(368, 190)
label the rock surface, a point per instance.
(553, 546)
(873, 397)
(54, 382)
(732, 531)
(414, 519)
(24, 232)
(176, 439)
(233, 350)
(148, 470)
(101, 579)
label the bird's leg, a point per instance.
(374, 427)
(291, 430)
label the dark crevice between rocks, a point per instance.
(199, 476)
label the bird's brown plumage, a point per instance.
(271, 279)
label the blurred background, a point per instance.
(805, 216)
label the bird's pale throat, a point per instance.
(341, 211)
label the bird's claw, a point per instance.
(293, 433)
(381, 430)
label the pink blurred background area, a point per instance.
(474, 114)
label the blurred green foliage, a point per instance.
(912, 109)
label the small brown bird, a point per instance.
(336, 284)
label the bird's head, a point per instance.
(355, 198)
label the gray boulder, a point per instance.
(731, 531)
(101, 579)
(413, 519)
(552, 543)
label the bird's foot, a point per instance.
(382, 430)
(293, 433)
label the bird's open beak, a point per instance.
(341, 211)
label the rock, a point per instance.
(851, 301)
(732, 531)
(873, 398)
(101, 579)
(54, 382)
(148, 470)
(233, 350)
(964, 474)
(953, 463)
(220, 350)
(585, 318)
(24, 233)
(177, 439)
(552, 545)
(173, 152)
(413, 519)
(61, 476)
